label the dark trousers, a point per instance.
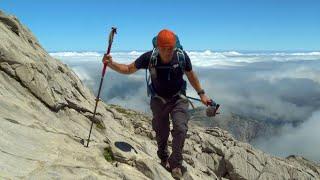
(177, 109)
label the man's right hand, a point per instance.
(107, 59)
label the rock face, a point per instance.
(45, 110)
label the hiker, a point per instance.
(166, 64)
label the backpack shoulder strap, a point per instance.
(153, 58)
(151, 68)
(181, 59)
(152, 63)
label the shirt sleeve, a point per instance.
(188, 62)
(142, 62)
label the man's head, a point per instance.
(166, 42)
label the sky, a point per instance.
(256, 25)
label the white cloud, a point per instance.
(302, 140)
(282, 87)
(75, 54)
(205, 58)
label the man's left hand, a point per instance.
(205, 99)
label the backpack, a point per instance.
(153, 65)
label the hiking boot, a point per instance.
(165, 164)
(176, 173)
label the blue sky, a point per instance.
(81, 25)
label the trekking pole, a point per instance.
(194, 98)
(113, 31)
(212, 110)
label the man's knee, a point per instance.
(180, 118)
(161, 125)
(154, 124)
(180, 128)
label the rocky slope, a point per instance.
(45, 110)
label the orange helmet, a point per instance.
(166, 38)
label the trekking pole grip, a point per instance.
(111, 35)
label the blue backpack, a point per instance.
(153, 64)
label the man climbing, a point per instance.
(166, 63)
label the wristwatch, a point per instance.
(201, 92)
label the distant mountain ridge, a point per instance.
(243, 128)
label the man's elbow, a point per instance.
(190, 74)
(125, 70)
(131, 68)
(128, 72)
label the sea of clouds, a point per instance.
(282, 87)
